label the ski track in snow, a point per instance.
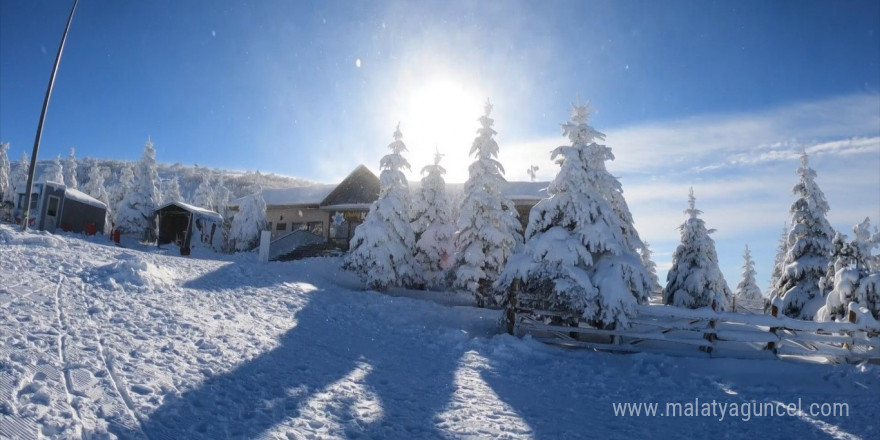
(103, 342)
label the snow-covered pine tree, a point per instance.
(95, 188)
(20, 177)
(695, 280)
(249, 221)
(223, 196)
(381, 250)
(136, 213)
(5, 174)
(778, 261)
(124, 184)
(576, 257)
(488, 226)
(645, 254)
(797, 292)
(54, 172)
(851, 277)
(171, 190)
(433, 227)
(70, 171)
(748, 294)
(204, 196)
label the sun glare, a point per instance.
(442, 113)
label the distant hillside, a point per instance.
(189, 177)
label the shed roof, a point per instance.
(202, 212)
(82, 197)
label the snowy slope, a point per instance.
(98, 341)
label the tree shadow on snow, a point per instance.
(248, 274)
(337, 373)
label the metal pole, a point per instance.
(33, 167)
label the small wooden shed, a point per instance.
(187, 226)
(54, 205)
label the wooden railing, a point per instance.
(679, 331)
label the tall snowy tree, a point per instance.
(124, 184)
(433, 227)
(171, 190)
(20, 177)
(851, 277)
(249, 221)
(95, 188)
(382, 247)
(797, 292)
(645, 254)
(136, 214)
(747, 290)
(488, 228)
(204, 195)
(54, 172)
(70, 171)
(576, 257)
(5, 174)
(778, 261)
(695, 280)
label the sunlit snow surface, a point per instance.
(99, 341)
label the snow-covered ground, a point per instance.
(98, 341)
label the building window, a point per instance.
(316, 228)
(269, 227)
(281, 227)
(297, 226)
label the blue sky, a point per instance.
(718, 95)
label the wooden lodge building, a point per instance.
(334, 211)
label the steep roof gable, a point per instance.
(361, 186)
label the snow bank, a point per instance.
(135, 271)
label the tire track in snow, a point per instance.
(65, 371)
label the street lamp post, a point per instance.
(33, 167)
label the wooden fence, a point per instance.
(675, 330)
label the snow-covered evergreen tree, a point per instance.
(20, 177)
(576, 257)
(433, 227)
(249, 221)
(95, 188)
(70, 171)
(204, 196)
(851, 277)
(5, 174)
(646, 255)
(747, 290)
(136, 214)
(797, 292)
(778, 261)
(695, 280)
(171, 191)
(124, 184)
(488, 228)
(381, 250)
(223, 196)
(54, 172)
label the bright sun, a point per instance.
(442, 113)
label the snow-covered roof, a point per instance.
(79, 196)
(202, 212)
(298, 195)
(515, 191)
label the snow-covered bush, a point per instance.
(797, 292)
(382, 247)
(576, 257)
(488, 226)
(433, 228)
(695, 280)
(249, 221)
(136, 213)
(70, 171)
(850, 277)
